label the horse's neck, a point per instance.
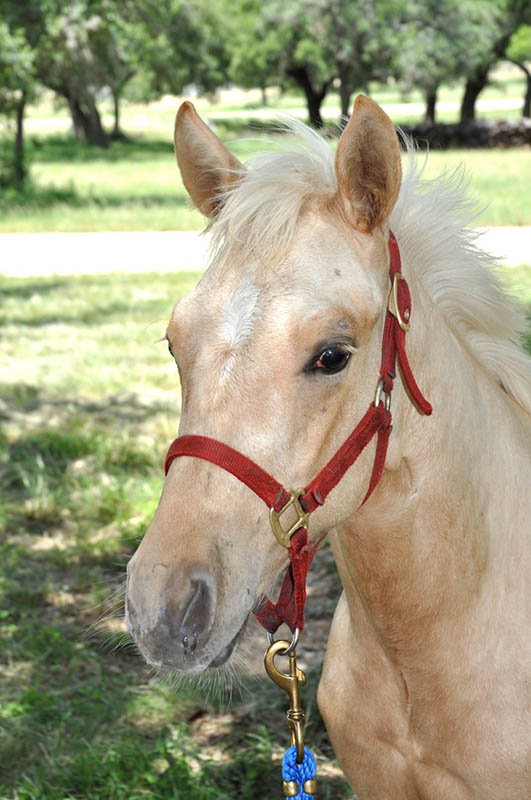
(445, 528)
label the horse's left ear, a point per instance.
(368, 165)
(207, 167)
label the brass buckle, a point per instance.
(392, 305)
(283, 536)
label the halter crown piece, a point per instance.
(289, 607)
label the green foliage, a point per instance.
(443, 40)
(177, 43)
(16, 68)
(17, 87)
(253, 46)
(312, 42)
(520, 44)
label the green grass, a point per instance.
(88, 403)
(135, 185)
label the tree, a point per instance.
(82, 52)
(519, 51)
(441, 41)
(313, 43)
(17, 87)
(279, 42)
(253, 47)
(180, 43)
(115, 50)
(61, 36)
(363, 39)
(508, 16)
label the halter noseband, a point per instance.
(289, 607)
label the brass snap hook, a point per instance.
(290, 683)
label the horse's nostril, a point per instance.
(198, 616)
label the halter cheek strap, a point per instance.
(376, 421)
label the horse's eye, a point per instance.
(331, 360)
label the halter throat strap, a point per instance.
(377, 421)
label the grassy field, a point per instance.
(89, 402)
(135, 185)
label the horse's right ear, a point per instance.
(207, 167)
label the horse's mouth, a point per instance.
(227, 651)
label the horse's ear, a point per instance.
(368, 165)
(207, 167)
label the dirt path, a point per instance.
(39, 254)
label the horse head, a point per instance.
(278, 350)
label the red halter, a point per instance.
(289, 607)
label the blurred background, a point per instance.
(97, 242)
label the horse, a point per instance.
(425, 689)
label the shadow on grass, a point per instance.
(112, 312)
(23, 397)
(77, 720)
(26, 289)
(68, 148)
(36, 197)
(106, 731)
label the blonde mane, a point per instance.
(430, 221)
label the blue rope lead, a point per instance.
(299, 773)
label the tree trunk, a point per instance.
(477, 82)
(474, 86)
(87, 122)
(526, 110)
(95, 133)
(116, 91)
(19, 166)
(264, 95)
(314, 97)
(431, 101)
(75, 113)
(116, 132)
(345, 93)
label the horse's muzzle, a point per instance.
(170, 619)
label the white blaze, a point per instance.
(237, 321)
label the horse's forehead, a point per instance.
(323, 261)
(324, 251)
(326, 267)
